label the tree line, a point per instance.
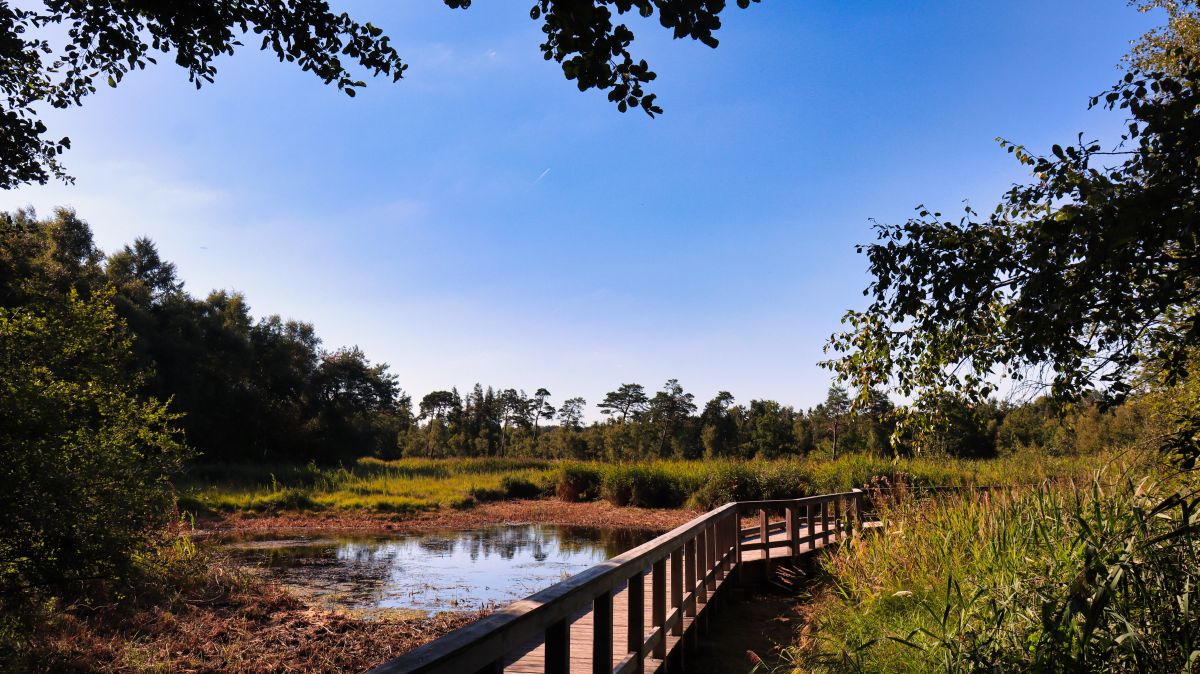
(248, 389)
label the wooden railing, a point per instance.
(684, 572)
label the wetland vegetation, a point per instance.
(1045, 350)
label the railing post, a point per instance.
(702, 566)
(858, 504)
(602, 633)
(733, 533)
(714, 562)
(790, 522)
(658, 605)
(558, 648)
(737, 545)
(636, 634)
(718, 550)
(813, 524)
(824, 523)
(764, 535)
(837, 517)
(496, 667)
(677, 589)
(689, 564)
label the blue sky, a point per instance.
(482, 220)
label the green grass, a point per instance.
(1097, 575)
(404, 486)
(412, 485)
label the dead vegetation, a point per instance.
(544, 511)
(220, 621)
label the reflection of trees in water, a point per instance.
(365, 571)
(543, 541)
(436, 545)
(505, 542)
(612, 541)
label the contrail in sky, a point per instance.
(539, 178)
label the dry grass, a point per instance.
(222, 622)
(589, 514)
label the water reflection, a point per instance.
(431, 572)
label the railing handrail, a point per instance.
(786, 502)
(478, 645)
(526, 619)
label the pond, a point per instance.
(429, 572)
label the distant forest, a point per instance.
(253, 389)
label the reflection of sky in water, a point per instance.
(436, 571)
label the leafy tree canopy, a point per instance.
(1082, 280)
(107, 41)
(1156, 49)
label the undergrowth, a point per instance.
(1099, 576)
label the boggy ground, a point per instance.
(211, 617)
(225, 623)
(544, 511)
(225, 620)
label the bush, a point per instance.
(578, 483)
(727, 482)
(789, 479)
(486, 494)
(287, 498)
(642, 486)
(519, 487)
(83, 461)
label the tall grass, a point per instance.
(411, 485)
(405, 486)
(1094, 576)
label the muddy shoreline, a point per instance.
(543, 511)
(221, 619)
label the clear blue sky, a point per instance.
(482, 220)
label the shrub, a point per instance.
(83, 461)
(727, 482)
(286, 498)
(486, 494)
(578, 483)
(783, 480)
(643, 486)
(519, 487)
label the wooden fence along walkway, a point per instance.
(642, 609)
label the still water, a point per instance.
(430, 572)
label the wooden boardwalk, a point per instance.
(641, 610)
(530, 659)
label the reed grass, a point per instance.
(1096, 575)
(413, 485)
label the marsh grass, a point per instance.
(1093, 575)
(403, 486)
(414, 485)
